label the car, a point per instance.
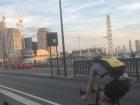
(26, 65)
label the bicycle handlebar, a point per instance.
(93, 91)
(97, 92)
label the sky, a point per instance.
(84, 20)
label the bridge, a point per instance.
(36, 86)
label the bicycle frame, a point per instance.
(99, 90)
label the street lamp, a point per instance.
(63, 43)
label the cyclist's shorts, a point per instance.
(117, 89)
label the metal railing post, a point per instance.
(137, 72)
(74, 66)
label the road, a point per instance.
(60, 91)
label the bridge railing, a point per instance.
(132, 67)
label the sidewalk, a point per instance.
(44, 72)
(39, 72)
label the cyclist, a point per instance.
(116, 81)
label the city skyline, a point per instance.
(84, 19)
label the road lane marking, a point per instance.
(27, 94)
(18, 98)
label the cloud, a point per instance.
(84, 18)
(133, 6)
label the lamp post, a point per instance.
(63, 43)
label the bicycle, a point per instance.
(98, 92)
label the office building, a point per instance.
(34, 47)
(124, 49)
(28, 43)
(137, 44)
(42, 41)
(13, 40)
(2, 36)
(130, 46)
(42, 38)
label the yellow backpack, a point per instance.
(113, 65)
(113, 62)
